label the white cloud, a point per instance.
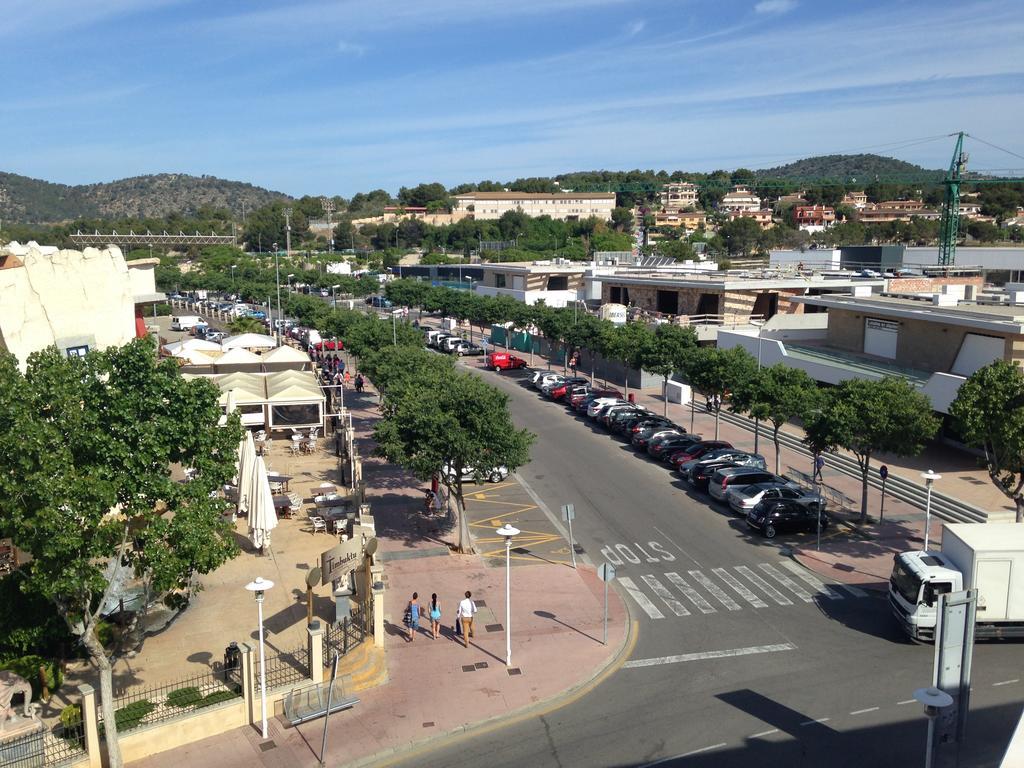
(634, 28)
(352, 49)
(775, 6)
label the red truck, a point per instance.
(501, 361)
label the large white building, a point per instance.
(679, 195)
(565, 206)
(74, 300)
(740, 199)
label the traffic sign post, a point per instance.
(883, 472)
(606, 572)
(568, 513)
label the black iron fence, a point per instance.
(342, 637)
(59, 744)
(144, 706)
(285, 668)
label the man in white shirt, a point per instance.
(467, 609)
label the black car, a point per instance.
(633, 427)
(643, 436)
(782, 515)
(619, 419)
(663, 447)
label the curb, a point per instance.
(788, 552)
(557, 701)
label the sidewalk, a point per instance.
(438, 688)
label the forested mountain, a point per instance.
(155, 196)
(863, 168)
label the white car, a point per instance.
(546, 377)
(495, 475)
(601, 402)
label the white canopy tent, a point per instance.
(191, 345)
(249, 341)
(236, 360)
(285, 358)
(295, 399)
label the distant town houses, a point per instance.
(679, 196)
(741, 198)
(762, 216)
(813, 218)
(563, 206)
(856, 200)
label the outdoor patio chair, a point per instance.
(319, 524)
(294, 448)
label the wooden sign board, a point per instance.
(337, 562)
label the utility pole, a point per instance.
(4, 199)
(328, 206)
(288, 231)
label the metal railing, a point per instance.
(145, 706)
(284, 669)
(344, 636)
(60, 744)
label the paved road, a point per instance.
(740, 655)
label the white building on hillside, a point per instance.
(564, 206)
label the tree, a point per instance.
(246, 325)
(717, 372)
(626, 343)
(87, 445)
(777, 394)
(422, 195)
(740, 235)
(622, 219)
(437, 418)
(989, 412)
(866, 417)
(666, 351)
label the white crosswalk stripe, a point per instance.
(692, 594)
(720, 594)
(740, 588)
(763, 585)
(747, 582)
(641, 599)
(787, 582)
(666, 596)
(828, 591)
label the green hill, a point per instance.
(863, 168)
(155, 196)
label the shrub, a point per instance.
(217, 697)
(71, 722)
(184, 697)
(28, 668)
(130, 715)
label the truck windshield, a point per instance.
(906, 583)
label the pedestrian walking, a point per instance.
(412, 616)
(573, 362)
(435, 616)
(819, 464)
(467, 610)
(359, 381)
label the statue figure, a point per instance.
(10, 685)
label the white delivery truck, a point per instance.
(987, 557)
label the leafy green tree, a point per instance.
(667, 351)
(423, 195)
(587, 333)
(87, 445)
(867, 417)
(741, 235)
(777, 394)
(716, 373)
(989, 413)
(246, 325)
(626, 343)
(622, 219)
(441, 418)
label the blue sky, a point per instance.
(318, 97)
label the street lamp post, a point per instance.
(935, 700)
(508, 531)
(757, 421)
(259, 587)
(394, 327)
(233, 268)
(288, 281)
(277, 271)
(334, 299)
(288, 231)
(929, 480)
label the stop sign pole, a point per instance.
(883, 471)
(606, 572)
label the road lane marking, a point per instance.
(813, 722)
(864, 711)
(787, 582)
(555, 521)
(704, 749)
(765, 587)
(719, 593)
(763, 733)
(741, 590)
(670, 758)
(855, 591)
(691, 594)
(827, 591)
(679, 658)
(1006, 682)
(666, 596)
(641, 599)
(905, 701)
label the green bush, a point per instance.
(217, 697)
(71, 722)
(130, 715)
(162, 310)
(184, 697)
(28, 668)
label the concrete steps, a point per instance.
(364, 667)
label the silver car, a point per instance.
(744, 498)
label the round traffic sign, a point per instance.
(606, 571)
(883, 471)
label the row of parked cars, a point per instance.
(770, 503)
(452, 343)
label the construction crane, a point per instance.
(949, 225)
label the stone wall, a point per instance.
(931, 284)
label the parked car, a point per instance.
(558, 392)
(700, 473)
(330, 345)
(645, 431)
(615, 412)
(215, 336)
(186, 322)
(664, 447)
(502, 361)
(596, 409)
(697, 450)
(595, 395)
(576, 394)
(257, 314)
(449, 344)
(744, 498)
(379, 301)
(736, 476)
(774, 516)
(623, 425)
(542, 378)
(468, 348)
(495, 475)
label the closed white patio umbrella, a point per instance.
(262, 515)
(246, 468)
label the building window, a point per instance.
(499, 281)
(558, 282)
(79, 351)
